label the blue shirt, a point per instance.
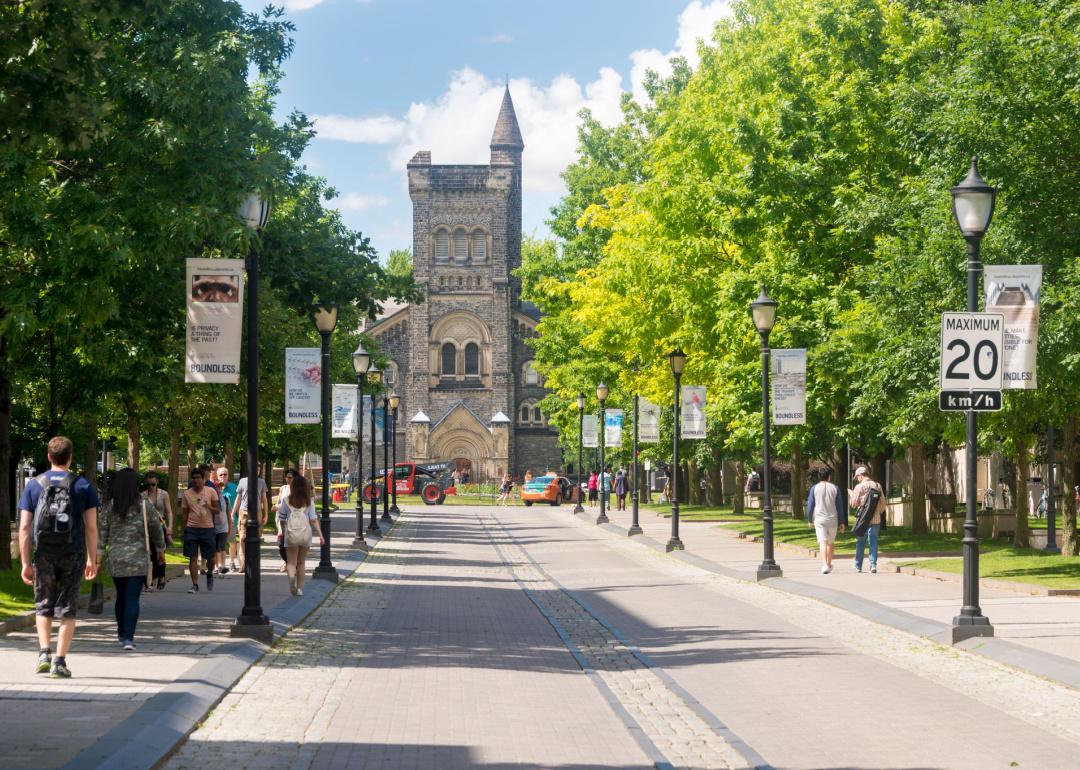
(83, 496)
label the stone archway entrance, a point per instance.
(460, 436)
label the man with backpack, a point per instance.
(868, 500)
(58, 525)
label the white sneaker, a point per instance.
(826, 570)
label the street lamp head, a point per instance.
(374, 374)
(973, 203)
(602, 392)
(326, 318)
(395, 401)
(678, 361)
(360, 359)
(254, 211)
(763, 311)
(581, 402)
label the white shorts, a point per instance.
(826, 530)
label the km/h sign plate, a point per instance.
(973, 400)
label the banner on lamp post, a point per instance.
(590, 432)
(1013, 291)
(788, 386)
(693, 411)
(648, 422)
(343, 412)
(613, 422)
(215, 319)
(303, 386)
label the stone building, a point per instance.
(468, 388)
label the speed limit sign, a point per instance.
(971, 351)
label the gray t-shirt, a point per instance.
(825, 505)
(242, 496)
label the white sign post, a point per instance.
(972, 353)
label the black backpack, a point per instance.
(866, 512)
(54, 520)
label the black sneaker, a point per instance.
(224, 571)
(59, 670)
(209, 581)
(194, 588)
(44, 663)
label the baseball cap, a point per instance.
(861, 471)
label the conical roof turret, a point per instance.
(507, 133)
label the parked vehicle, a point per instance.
(549, 489)
(432, 481)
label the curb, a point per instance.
(1045, 665)
(1003, 585)
(148, 737)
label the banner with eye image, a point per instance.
(215, 319)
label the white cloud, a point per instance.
(381, 129)
(496, 39)
(358, 202)
(304, 5)
(696, 22)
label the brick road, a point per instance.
(513, 637)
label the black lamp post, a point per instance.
(763, 311)
(635, 525)
(395, 402)
(1051, 506)
(388, 473)
(360, 360)
(973, 207)
(325, 322)
(678, 362)
(252, 622)
(601, 395)
(374, 376)
(578, 508)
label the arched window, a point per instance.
(442, 246)
(479, 246)
(461, 246)
(472, 360)
(538, 418)
(526, 412)
(532, 377)
(449, 359)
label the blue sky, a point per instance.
(384, 78)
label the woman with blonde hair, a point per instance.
(300, 522)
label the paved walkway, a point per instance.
(514, 637)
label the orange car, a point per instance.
(547, 489)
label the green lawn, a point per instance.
(893, 540)
(1023, 565)
(701, 512)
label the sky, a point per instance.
(385, 78)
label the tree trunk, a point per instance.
(1069, 544)
(1020, 508)
(738, 501)
(692, 482)
(172, 480)
(6, 479)
(90, 452)
(716, 479)
(230, 454)
(877, 470)
(920, 525)
(798, 484)
(133, 442)
(946, 456)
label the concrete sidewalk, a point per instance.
(1048, 624)
(184, 649)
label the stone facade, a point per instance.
(460, 361)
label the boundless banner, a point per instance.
(590, 431)
(613, 422)
(648, 422)
(788, 386)
(1013, 291)
(215, 317)
(693, 411)
(303, 380)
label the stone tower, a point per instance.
(460, 362)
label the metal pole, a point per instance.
(393, 478)
(971, 622)
(635, 526)
(252, 621)
(768, 567)
(388, 476)
(373, 525)
(325, 570)
(579, 508)
(674, 543)
(1051, 506)
(603, 517)
(361, 380)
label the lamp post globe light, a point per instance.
(252, 621)
(360, 361)
(388, 472)
(375, 377)
(578, 508)
(763, 313)
(601, 396)
(395, 402)
(677, 359)
(973, 207)
(325, 322)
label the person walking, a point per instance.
(162, 513)
(131, 541)
(296, 515)
(223, 522)
(283, 492)
(505, 489)
(240, 511)
(198, 507)
(593, 483)
(865, 491)
(622, 487)
(826, 512)
(58, 547)
(603, 483)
